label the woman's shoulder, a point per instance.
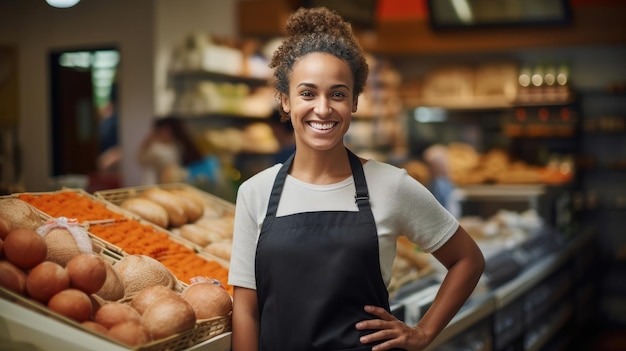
(390, 178)
(262, 180)
(378, 168)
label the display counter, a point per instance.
(531, 290)
(526, 311)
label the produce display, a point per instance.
(128, 235)
(199, 218)
(133, 299)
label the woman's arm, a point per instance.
(245, 320)
(465, 264)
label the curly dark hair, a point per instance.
(318, 30)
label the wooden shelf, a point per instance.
(219, 77)
(600, 24)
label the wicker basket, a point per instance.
(209, 328)
(176, 342)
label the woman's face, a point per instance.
(320, 101)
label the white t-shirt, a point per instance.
(400, 205)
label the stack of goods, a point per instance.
(504, 229)
(198, 218)
(467, 166)
(53, 266)
(126, 235)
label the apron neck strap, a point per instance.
(361, 197)
(277, 189)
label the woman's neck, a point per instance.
(321, 167)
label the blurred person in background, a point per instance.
(166, 152)
(439, 183)
(109, 150)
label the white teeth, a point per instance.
(322, 126)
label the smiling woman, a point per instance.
(314, 237)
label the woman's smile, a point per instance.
(322, 126)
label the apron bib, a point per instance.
(315, 271)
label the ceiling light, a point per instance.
(62, 3)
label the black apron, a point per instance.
(315, 271)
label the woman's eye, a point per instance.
(338, 94)
(306, 94)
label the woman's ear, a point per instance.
(284, 102)
(355, 104)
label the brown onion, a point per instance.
(130, 333)
(114, 313)
(25, 248)
(46, 280)
(12, 278)
(72, 303)
(87, 272)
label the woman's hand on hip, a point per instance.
(395, 332)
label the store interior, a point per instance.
(528, 99)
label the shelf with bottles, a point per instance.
(493, 85)
(541, 122)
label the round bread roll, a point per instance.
(148, 210)
(19, 214)
(171, 203)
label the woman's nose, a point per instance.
(322, 107)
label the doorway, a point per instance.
(84, 105)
